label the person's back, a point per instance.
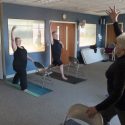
(116, 80)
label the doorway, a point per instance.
(67, 36)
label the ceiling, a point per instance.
(95, 7)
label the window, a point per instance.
(31, 33)
(87, 35)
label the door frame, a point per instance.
(75, 44)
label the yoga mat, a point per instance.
(33, 89)
(71, 79)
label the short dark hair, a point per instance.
(54, 32)
(16, 38)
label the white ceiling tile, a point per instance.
(96, 7)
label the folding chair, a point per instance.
(43, 71)
(113, 54)
(73, 62)
(78, 111)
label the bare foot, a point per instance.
(65, 78)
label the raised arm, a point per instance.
(13, 44)
(117, 29)
(113, 14)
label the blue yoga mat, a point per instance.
(33, 89)
(37, 89)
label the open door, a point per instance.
(66, 33)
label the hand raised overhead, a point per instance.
(113, 13)
(13, 28)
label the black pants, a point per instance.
(21, 76)
(109, 113)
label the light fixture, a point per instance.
(82, 23)
(64, 16)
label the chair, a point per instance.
(78, 111)
(73, 62)
(44, 72)
(110, 50)
(113, 54)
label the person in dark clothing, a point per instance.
(115, 102)
(20, 61)
(57, 46)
